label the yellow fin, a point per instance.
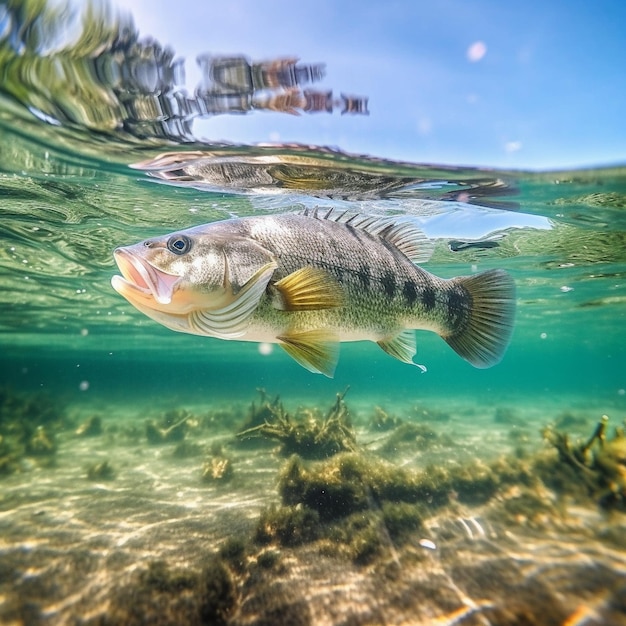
(308, 289)
(401, 346)
(316, 350)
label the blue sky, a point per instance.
(545, 87)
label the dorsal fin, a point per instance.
(399, 230)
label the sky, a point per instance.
(533, 84)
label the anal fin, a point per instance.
(402, 347)
(308, 289)
(315, 350)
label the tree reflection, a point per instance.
(89, 68)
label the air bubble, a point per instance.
(266, 348)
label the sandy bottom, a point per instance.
(150, 544)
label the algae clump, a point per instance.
(598, 465)
(309, 435)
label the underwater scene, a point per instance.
(261, 379)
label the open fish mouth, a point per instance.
(141, 278)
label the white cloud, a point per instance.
(513, 146)
(476, 51)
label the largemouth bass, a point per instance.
(310, 281)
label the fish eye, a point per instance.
(179, 244)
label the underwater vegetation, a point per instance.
(598, 464)
(28, 427)
(267, 411)
(506, 415)
(30, 409)
(219, 468)
(344, 501)
(163, 595)
(90, 428)
(101, 471)
(402, 504)
(382, 420)
(354, 504)
(414, 436)
(310, 435)
(171, 427)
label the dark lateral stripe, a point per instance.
(389, 283)
(457, 300)
(364, 276)
(458, 305)
(429, 298)
(409, 291)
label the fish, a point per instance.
(456, 245)
(308, 281)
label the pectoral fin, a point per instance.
(402, 347)
(230, 321)
(316, 350)
(308, 289)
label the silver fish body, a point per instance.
(310, 281)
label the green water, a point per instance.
(78, 179)
(62, 324)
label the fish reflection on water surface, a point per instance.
(309, 281)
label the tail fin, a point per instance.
(484, 338)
